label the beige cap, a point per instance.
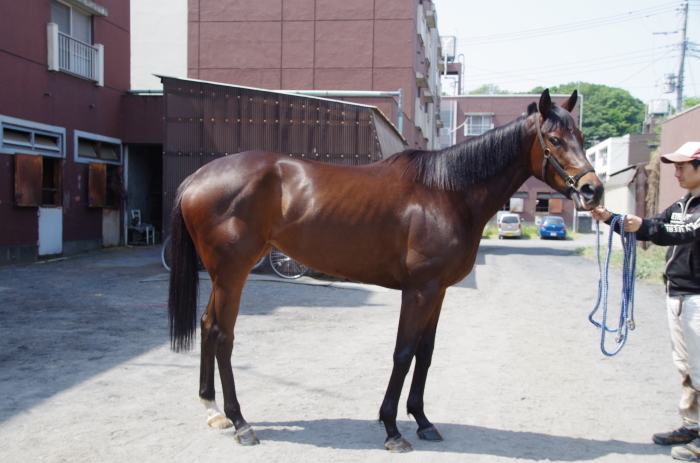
(685, 153)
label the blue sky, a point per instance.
(519, 45)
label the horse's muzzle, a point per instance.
(588, 195)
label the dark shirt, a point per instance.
(679, 228)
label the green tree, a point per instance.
(489, 89)
(690, 101)
(607, 111)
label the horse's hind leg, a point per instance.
(424, 355)
(210, 332)
(227, 296)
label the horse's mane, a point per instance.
(477, 159)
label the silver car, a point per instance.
(509, 225)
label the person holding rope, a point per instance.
(679, 228)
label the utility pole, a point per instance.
(684, 45)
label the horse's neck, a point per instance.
(487, 198)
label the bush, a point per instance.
(491, 231)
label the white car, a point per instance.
(509, 225)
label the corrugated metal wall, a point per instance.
(205, 121)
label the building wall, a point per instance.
(363, 45)
(618, 153)
(640, 147)
(35, 95)
(505, 109)
(621, 200)
(676, 131)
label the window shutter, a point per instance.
(97, 185)
(28, 180)
(556, 205)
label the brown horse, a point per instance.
(410, 222)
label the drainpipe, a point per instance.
(343, 93)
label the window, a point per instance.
(448, 133)
(51, 181)
(478, 124)
(515, 203)
(550, 202)
(37, 180)
(72, 22)
(29, 140)
(96, 148)
(17, 135)
(603, 156)
(70, 39)
(553, 221)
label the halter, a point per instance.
(571, 182)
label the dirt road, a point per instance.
(86, 373)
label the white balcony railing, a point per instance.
(73, 56)
(77, 57)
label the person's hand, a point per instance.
(632, 223)
(600, 213)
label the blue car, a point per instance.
(552, 227)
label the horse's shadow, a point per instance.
(349, 434)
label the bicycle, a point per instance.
(285, 266)
(281, 264)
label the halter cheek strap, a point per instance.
(571, 181)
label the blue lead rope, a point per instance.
(626, 322)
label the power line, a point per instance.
(584, 63)
(571, 27)
(645, 67)
(533, 77)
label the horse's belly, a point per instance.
(364, 260)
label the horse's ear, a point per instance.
(545, 103)
(531, 108)
(571, 102)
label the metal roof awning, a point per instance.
(621, 179)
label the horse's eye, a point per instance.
(555, 141)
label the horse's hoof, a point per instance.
(430, 434)
(219, 422)
(397, 445)
(246, 436)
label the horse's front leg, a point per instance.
(424, 355)
(417, 306)
(210, 333)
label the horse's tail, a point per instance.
(184, 281)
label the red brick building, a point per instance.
(64, 66)
(359, 45)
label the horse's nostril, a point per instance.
(587, 190)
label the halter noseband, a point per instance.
(571, 182)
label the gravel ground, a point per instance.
(86, 373)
